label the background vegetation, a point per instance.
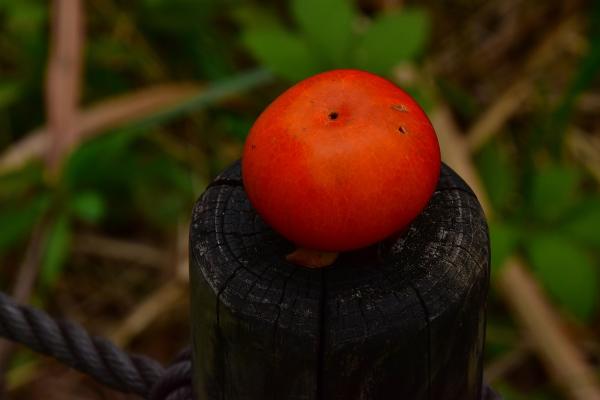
(114, 116)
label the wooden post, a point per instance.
(404, 319)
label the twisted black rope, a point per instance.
(95, 356)
(102, 360)
(176, 382)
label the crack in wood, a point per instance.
(428, 328)
(285, 283)
(320, 370)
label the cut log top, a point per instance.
(403, 319)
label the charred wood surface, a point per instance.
(403, 319)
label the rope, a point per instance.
(176, 382)
(95, 356)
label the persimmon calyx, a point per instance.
(311, 258)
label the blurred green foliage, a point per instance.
(550, 216)
(113, 180)
(318, 45)
(144, 177)
(548, 206)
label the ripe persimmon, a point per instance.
(341, 160)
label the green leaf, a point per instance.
(89, 206)
(17, 222)
(392, 38)
(168, 186)
(459, 98)
(504, 238)
(553, 191)
(102, 163)
(251, 16)
(583, 223)
(56, 250)
(9, 93)
(499, 174)
(22, 357)
(284, 53)
(236, 126)
(17, 183)
(423, 95)
(567, 273)
(25, 17)
(327, 24)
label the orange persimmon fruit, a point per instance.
(341, 160)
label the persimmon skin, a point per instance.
(341, 160)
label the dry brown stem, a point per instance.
(164, 299)
(23, 286)
(509, 102)
(563, 360)
(119, 249)
(507, 362)
(62, 95)
(158, 303)
(455, 152)
(105, 115)
(586, 149)
(63, 81)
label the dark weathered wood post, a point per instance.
(402, 320)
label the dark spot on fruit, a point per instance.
(400, 107)
(333, 116)
(402, 129)
(253, 146)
